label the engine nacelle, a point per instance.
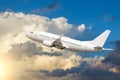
(47, 43)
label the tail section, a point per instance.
(101, 39)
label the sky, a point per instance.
(79, 19)
(101, 15)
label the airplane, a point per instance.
(62, 42)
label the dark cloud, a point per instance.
(88, 69)
(18, 50)
(51, 54)
(108, 17)
(60, 72)
(29, 48)
(114, 56)
(54, 5)
(48, 8)
(116, 44)
(82, 72)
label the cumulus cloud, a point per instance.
(81, 32)
(81, 27)
(62, 25)
(30, 62)
(14, 25)
(113, 57)
(44, 61)
(10, 39)
(17, 22)
(27, 60)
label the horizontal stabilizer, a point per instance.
(107, 49)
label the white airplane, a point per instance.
(61, 42)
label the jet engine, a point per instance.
(57, 43)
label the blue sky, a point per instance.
(100, 14)
(95, 13)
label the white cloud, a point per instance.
(11, 39)
(12, 27)
(15, 24)
(81, 28)
(50, 63)
(61, 23)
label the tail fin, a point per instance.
(101, 39)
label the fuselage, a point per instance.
(68, 43)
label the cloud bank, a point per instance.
(14, 25)
(24, 59)
(114, 56)
(29, 62)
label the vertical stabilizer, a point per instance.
(101, 39)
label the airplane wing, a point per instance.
(58, 44)
(55, 43)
